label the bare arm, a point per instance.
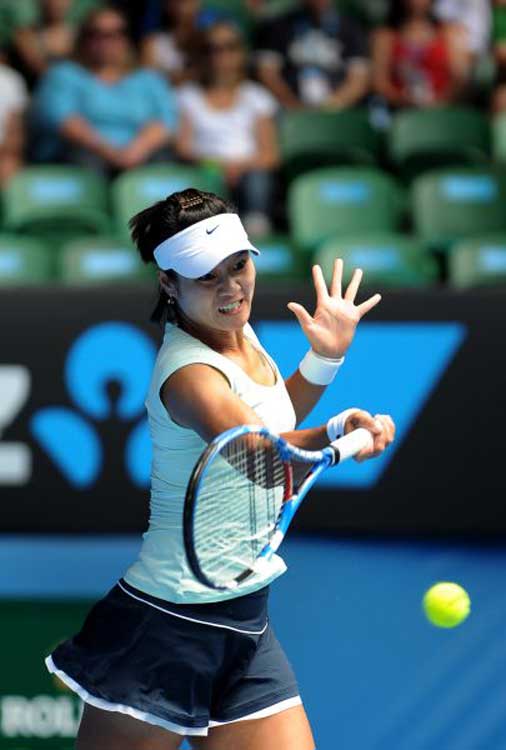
(78, 131)
(354, 87)
(267, 156)
(184, 138)
(303, 395)
(199, 397)
(153, 136)
(330, 330)
(460, 60)
(14, 138)
(270, 75)
(381, 61)
(147, 51)
(27, 46)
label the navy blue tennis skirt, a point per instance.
(184, 667)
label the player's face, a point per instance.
(221, 299)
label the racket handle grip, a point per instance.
(351, 444)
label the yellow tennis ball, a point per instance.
(446, 604)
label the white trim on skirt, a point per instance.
(156, 720)
(193, 619)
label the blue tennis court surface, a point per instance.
(374, 675)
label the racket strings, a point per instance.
(240, 499)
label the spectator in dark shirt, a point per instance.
(313, 57)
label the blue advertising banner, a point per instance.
(75, 366)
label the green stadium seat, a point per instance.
(480, 261)
(342, 201)
(92, 260)
(449, 205)
(499, 138)
(390, 260)
(422, 139)
(24, 260)
(278, 258)
(139, 188)
(315, 139)
(56, 202)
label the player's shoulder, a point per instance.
(190, 359)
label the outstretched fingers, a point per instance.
(319, 285)
(300, 313)
(364, 307)
(353, 286)
(337, 278)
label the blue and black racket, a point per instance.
(242, 496)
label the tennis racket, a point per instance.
(242, 496)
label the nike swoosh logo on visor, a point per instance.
(210, 231)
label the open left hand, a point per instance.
(381, 427)
(331, 328)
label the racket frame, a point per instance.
(331, 455)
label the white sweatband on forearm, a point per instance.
(335, 425)
(319, 370)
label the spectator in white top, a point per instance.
(174, 49)
(229, 120)
(13, 102)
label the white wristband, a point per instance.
(335, 425)
(319, 370)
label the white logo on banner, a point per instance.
(15, 458)
(42, 716)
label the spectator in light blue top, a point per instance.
(99, 109)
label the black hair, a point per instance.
(164, 219)
(399, 13)
(87, 24)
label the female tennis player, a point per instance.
(162, 656)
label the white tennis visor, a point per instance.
(196, 250)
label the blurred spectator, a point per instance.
(174, 49)
(499, 49)
(314, 56)
(473, 18)
(228, 120)
(13, 102)
(15, 14)
(416, 61)
(49, 39)
(101, 110)
(143, 17)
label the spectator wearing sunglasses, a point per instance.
(228, 120)
(99, 109)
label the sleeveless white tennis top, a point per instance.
(162, 569)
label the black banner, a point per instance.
(74, 367)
